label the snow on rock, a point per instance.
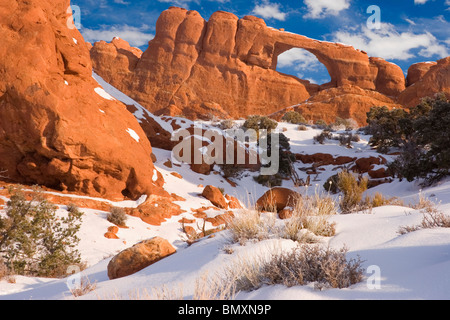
(415, 265)
(103, 94)
(133, 134)
(139, 114)
(155, 175)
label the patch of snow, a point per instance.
(413, 266)
(75, 40)
(102, 93)
(140, 113)
(133, 134)
(155, 175)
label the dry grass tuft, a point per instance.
(432, 216)
(309, 220)
(304, 264)
(251, 225)
(85, 287)
(352, 189)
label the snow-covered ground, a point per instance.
(415, 265)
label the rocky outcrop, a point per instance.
(227, 67)
(346, 102)
(156, 209)
(277, 199)
(58, 127)
(417, 71)
(435, 80)
(216, 197)
(138, 257)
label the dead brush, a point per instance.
(85, 287)
(251, 225)
(303, 264)
(432, 216)
(310, 218)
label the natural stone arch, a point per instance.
(298, 56)
(237, 59)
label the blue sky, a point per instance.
(408, 31)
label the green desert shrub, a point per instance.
(425, 153)
(34, 239)
(294, 117)
(321, 124)
(257, 122)
(285, 158)
(389, 128)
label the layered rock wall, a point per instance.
(228, 65)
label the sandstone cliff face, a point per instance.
(227, 66)
(58, 128)
(426, 82)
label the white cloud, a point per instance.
(269, 10)
(137, 37)
(297, 58)
(301, 62)
(390, 44)
(321, 8)
(420, 1)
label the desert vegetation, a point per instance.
(323, 136)
(433, 217)
(257, 122)
(419, 135)
(308, 221)
(34, 239)
(285, 159)
(294, 117)
(117, 216)
(323, 266)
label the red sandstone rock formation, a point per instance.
(57, 127)
(277, 198)
(227, 67)
(216, 197)
(417, 71)
(435, 80)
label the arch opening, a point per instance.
(302, 64)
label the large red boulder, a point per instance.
(277, 199)
(216, 197)
(58, 127)
(138, 257)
